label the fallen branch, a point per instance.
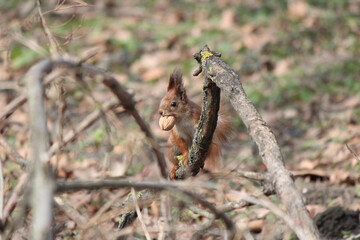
(226, 79)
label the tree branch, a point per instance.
(226, 79)
(43, 182)
(205, 130)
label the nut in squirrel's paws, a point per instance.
(166, 123)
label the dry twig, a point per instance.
(14, 198)
(139, 215)
(12, 152)
(352, 152)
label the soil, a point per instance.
(336, 222)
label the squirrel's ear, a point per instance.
(175, 80)
(178, 83)
(171, 82)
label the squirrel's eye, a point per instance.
(173, 104)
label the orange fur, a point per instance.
(187, 115)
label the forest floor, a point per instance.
(298, 62)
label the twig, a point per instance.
(106, 206)
(1, 193)
(226, 79)
(12, 152)
(139, 215)
(20, 216)
(352, 152)
(199, 234)
(54, 45)
(230, 206)
(74, 215)
(14, 198)
(271, 206)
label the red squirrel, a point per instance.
(186, 114)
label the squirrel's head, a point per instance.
(175, 101)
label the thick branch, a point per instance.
(43, 185)
(226, 79)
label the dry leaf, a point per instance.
(315, 209)
(282, 67)
(308, 164)
(297, 10)
(227, 19)
(153, 74)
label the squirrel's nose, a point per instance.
(161, 112)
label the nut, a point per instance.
(166, 123)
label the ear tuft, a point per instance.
(175, 79)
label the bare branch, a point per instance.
(54, 45)
(43, 185)
(226, 79)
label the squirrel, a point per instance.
(185, 115)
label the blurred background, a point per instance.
(298, 61)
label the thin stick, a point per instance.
(72, 213)
(352, 152)
(1, 192)
(106, 206)
(139, 215)
(54, 45)
(12, 152)
(14, 198)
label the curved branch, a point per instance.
(205, 130)
(226, 79)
